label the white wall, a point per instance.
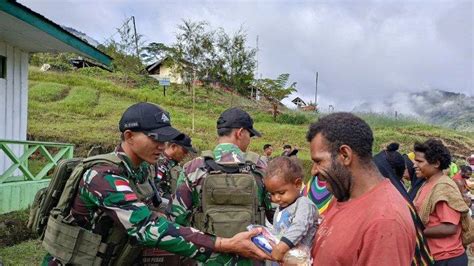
(13, 100)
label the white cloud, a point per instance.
(364, 51)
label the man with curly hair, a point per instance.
(440, 205)
(369, 222)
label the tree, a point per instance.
(209, 55)
(192, 50)
(276, 90)
(236, 63)
(124, 51)
(155, 52)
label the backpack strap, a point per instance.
(207, 154)
(251, 157)
(110, 158)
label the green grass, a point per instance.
(47, 91)
(89, 111)
(26, 253)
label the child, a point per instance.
(295, 220)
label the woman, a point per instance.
(440, 205)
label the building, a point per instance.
(298, 102)
(23, 31)
(164, 69)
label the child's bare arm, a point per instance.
(279, 251)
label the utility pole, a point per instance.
(256, 70)
(316, 92)
(194, 95)
(136, 38)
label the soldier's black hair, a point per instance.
(266, 146)
(434, 151)
(226, 131)
(344, 129)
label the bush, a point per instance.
(293, 119)
(92, 71)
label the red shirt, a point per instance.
(446, 247)
(458, 176)
(373, 229)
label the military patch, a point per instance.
(122, 186)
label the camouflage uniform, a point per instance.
(106, 188)
(187, 197)
(162, 176)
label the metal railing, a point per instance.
(21, 162)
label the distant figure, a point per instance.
(267, 152)
(463, 175)
(441, 207)
(288, 151)
(470, 161)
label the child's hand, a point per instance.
(279, 251)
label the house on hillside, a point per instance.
(23, 31)
(163, 69)
(81, 62)
(298, 102)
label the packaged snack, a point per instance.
(298, 256)
(264, 240)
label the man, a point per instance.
(235, 130)
(167, 169)
(108, 199)
(369, 223)
(289, 151)
(267, 152)
(286, 150)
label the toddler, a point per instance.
(295, 220)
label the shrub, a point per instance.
(292, 119)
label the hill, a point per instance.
(83, 107)
(449, 109)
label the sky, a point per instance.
(364, 51)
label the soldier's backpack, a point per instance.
(71, 244)
(231, 198)
(47, 198)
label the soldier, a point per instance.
(108, 207)
(167, 169)
(234, 129)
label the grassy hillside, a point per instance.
(84, 107)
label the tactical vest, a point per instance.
(232, 197)
(107, 243)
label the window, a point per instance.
(3, 67)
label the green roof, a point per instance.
(34, 33)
